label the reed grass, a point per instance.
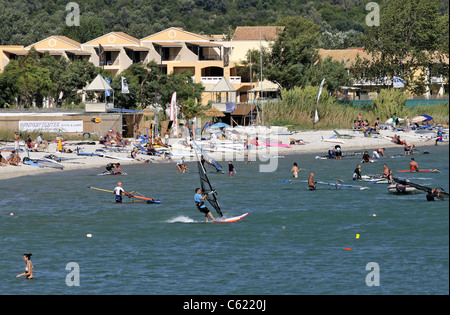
(297, 106)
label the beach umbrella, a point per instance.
(219, 126)
(421, 118)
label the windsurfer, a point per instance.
(199, 201)
(118, 191)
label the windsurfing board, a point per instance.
(434, 170)
(229, 220)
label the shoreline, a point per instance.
(316, 142)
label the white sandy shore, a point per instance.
(313, 139)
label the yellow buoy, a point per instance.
(357, 236)
(59, 148)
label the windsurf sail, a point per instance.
(208, 159)
(443, 194)
(206, 187)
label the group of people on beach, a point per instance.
(12, 159)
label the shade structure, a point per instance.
(219, 126)
(421, 118)
(214, 112)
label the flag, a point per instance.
(398, 83)
(125, 86)
(173, 113)
(316, 115)
(101, 55)
(108, 92)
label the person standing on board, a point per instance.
(200, 203)
(413, 166)
(28, 268)
(118, 191)
(385, 172)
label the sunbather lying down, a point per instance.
(297, 141)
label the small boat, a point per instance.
(401, 189)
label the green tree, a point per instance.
(409, 39)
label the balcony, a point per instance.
(215, 80)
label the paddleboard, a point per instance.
(432, 170)
(229, 220)
(113, 173)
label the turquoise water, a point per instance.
(292, 242)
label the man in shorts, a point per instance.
(199, 202)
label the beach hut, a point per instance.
(99, 102)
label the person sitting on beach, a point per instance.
(311, 182)
(114, 168)
(29, 142)
(359, 119)
(14, 158)
(42, 141)
(366, 157)
(376, 124)
(3, 161)
(413, 166)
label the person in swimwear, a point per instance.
(385, 172)
(311, 182)
(413, 166)
(28, 268)
(295, 170)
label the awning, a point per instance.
(168, 44)
(17, 52)
(51, 52)
(204, 44)
(106, 48)
(243, 110)
(78, 52)
(135, 48)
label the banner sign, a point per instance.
(52, 126)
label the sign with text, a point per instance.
(52, 126)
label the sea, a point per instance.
(331, 241)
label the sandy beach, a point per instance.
(315, 142)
